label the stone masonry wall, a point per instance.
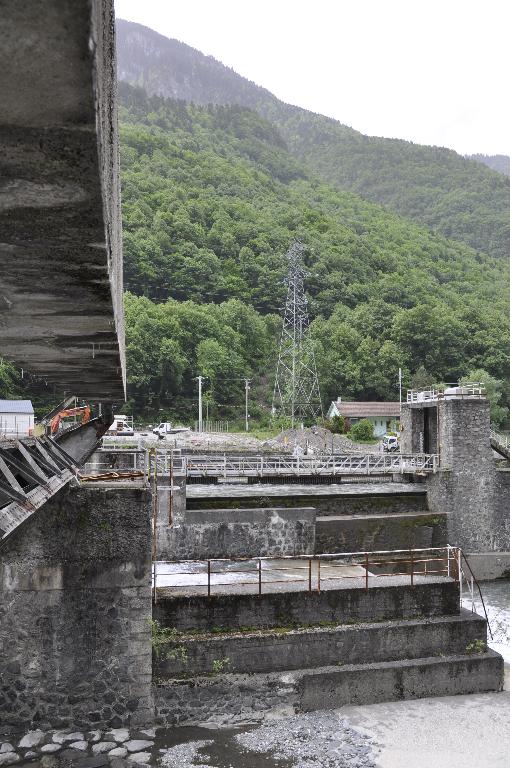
(204, 534)
(75, 607)
(467, 487)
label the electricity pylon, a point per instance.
(296, 392)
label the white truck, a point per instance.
(122, 425)
(166, 428)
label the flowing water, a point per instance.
(496, 596)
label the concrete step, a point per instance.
(362, 533)
(230, 698)
(390, 597)
(397, 680)
(288, 649)
(336, 499)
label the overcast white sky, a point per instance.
(431, 71)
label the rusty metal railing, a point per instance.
(311, 573)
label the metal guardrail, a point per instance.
(213, 427)
(471, 390)
(310, 571)
(502, 440)
(173, 462)
(326, 465)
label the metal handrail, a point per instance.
(446, 392)
(503, 440)
(326, 464)
(363, 560)
(462, 558)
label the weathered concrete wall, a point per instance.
(467, 486)
(60, 248)
(287, 609)
(408, 679)
(331, 504)
(75, 605)
(267, 651)
(376, 504)
(203, 534)
(366, 534)
(236, 698)
(411, 421)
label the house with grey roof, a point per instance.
(384, 416)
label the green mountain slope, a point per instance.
(212, 200)
(455, 196)
(500, 163)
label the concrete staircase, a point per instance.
(234, 657)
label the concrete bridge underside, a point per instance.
(60, 239)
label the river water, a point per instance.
(496, 595)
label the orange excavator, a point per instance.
(84, 410)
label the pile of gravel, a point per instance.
(320, 440)
(314, 740)
(184, 755)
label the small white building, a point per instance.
(384, 416)
(16, 418)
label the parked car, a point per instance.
(390, 444)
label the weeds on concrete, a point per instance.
(476, 646)
(162, 639)
(219, 665)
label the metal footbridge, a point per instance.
(500, 444)
(268, 466)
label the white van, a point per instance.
(390, 444)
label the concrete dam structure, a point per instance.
(111, 614)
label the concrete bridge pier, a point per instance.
(75, 610)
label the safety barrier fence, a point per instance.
(264, 466)
(311, 572)
(161, 461)
(502, 440)
(470, 390)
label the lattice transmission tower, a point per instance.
(296, 392)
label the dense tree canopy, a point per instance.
(211, 202)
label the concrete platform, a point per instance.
(334, 499)
(392, 598)
(226, 698)
(397, 680)
(338, 489)
(290, 649)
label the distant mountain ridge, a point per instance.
(459, 197)
(500, 163)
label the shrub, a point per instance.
(362, 430)
(337, 425)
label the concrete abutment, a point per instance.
(75, 611)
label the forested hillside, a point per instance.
(458, 197)
(500, 163)
(212, 199)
